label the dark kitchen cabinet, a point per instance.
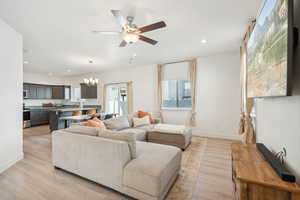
(38, 91)
(32, 92)
(39, 117)
(88, 92)
(41, 92)
(58, 92)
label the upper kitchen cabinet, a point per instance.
(58, 92)
(88, 91)
(44, 92)
(29, 91)
(38, 91)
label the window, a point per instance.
(176, 88)
(176, 94)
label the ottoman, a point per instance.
(175, 135)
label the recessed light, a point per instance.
(203, 41)
(25, 62)
(134, 55)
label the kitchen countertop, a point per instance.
(79, 117)
(71, 109)
(61, 109)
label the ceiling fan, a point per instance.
(130, 32)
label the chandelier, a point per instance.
(91, 81)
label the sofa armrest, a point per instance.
(98, 159)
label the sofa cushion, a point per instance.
(147, 128)
(118, 123)
(140, 134)
(153, 169)
(169, 134)
(125, 136)
(83, 130)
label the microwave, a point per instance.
(25, 94)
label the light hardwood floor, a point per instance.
(205, 174)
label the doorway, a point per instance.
(117, 99)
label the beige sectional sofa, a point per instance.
(120, 158)
(109, 162)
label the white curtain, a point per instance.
(130, 97)
(246, 125)
(193, 80)
(104, 98)
(159, 89)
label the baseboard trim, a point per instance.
(218, 136)
(7, 164)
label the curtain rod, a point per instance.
(176, 62)
(117, 83)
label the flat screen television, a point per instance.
(270, 51)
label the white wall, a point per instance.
(278, 119)
(43, 79)
(218, 96)
(11, 70)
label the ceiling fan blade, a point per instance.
(152, 27)
(118, 15)
(123, 43)
(107, 32)
(148, 40)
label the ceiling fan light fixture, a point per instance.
(130, 37)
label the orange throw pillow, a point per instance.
(96, 120)
(93, 123)
(142, 114)
(100, 122)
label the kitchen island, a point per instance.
(57, 116)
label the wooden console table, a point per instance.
(254, 178)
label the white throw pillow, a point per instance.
(118, 123)
(141, 121)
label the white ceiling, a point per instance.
(57, 33)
